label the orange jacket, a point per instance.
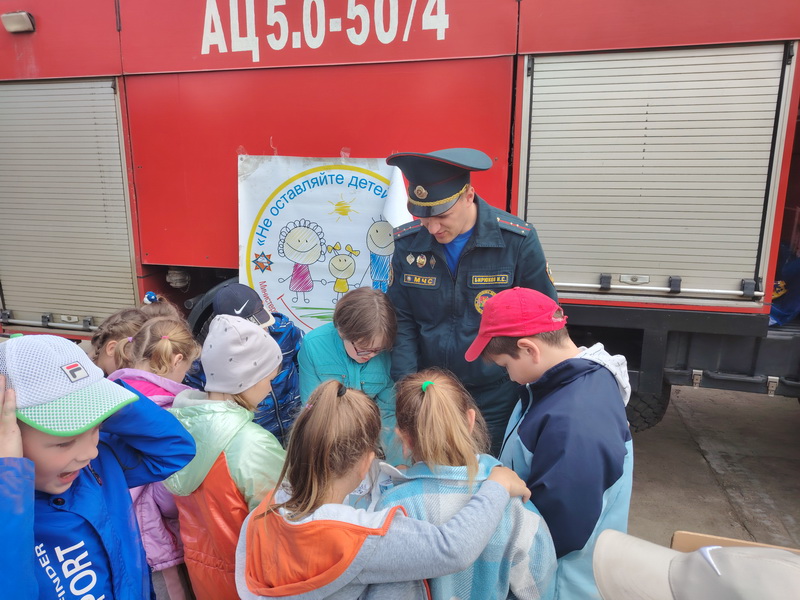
(236, 465)
(210, 520)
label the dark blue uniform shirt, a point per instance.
(439, 311)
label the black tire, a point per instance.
(646, 410)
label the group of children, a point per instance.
(211, 489)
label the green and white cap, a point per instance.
(59, 390)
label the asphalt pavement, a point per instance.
(721, 463)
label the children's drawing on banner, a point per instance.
(380, 243)
(311, 229)
(301, 243)
(342, 267)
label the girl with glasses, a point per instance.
(354, 350)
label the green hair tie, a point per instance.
(425, 386)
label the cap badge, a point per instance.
(420, 192)
(422, 260)
(410, 259)
(481, 299)
(75, 371)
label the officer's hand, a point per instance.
(10, 436)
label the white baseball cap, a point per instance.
(59, 390)
(237, 354)
(629, 568)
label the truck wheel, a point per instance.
(646, 410)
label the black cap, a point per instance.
(242, 301)
(437, 179)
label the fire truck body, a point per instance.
(650, 144)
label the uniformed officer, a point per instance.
(460, 252)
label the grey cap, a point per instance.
(59, 390)
(628, 568)
(237, 354)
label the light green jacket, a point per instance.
(254, 456)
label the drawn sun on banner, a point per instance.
(311, 229)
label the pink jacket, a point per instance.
(153, 505)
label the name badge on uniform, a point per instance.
(420, 280)
(497, 279)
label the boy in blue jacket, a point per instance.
(71, 444)
(568, 436)
(277, 411)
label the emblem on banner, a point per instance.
(481, 299)
(422, 260)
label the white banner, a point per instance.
(311, 229)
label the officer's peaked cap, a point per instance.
(437, 179)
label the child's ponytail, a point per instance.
(123, 353)
(432, 412)
(155, 305)
(157, 342)
(118, 326)
(337, 427)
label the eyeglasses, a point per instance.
(366, 351)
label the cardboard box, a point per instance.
(688, 541)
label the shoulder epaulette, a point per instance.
(517, 226)
(406, 229)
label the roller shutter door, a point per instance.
(65, 234)
(653, 164)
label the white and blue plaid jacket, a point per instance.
(519, 561)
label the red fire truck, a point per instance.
(650, 143)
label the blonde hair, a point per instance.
(122, 324)
(157, 342)
(364, 314)
(338, 426)
(435, 420)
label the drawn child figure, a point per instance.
(71, 444)
(342, 267)
(303, 243)
(237, 462)
(154, 361)
(445, 436)
(380, 243)
(301, 542)
(119, 326)
(354, 349)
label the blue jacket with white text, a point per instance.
(84, 544)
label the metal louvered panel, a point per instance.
(653, 164)
(65, 234)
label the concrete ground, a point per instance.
(722, 463)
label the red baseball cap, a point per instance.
(517, 312)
